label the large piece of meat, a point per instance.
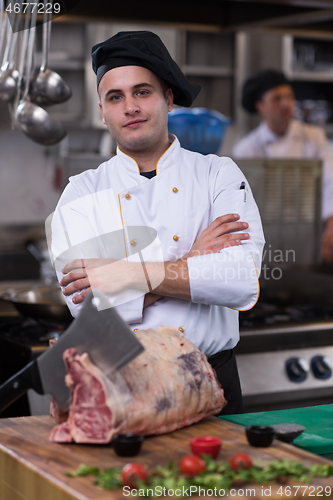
(169, 386)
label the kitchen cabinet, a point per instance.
(207, 58)
(307, 59)
(31, 467)
(308, 63)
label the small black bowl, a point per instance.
(127, 445)
(259, 435)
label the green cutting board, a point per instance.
(317, 420)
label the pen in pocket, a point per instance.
(243, 186)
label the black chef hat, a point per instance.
(143, 48)
(258, 84)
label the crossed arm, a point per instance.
(112, 277)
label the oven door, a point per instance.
(282, 369)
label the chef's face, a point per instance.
(277, 107)
(135, 107)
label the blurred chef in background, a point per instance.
(270, 94)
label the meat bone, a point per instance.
(100, 332)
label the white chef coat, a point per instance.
(301, 140)
(189, 191)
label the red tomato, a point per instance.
(131, 473)
(192, 465)
(240, 461)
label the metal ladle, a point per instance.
(2, 26)
(5, 59)
(33, 120)
(48, 87)
(6, 30)
(9, 75)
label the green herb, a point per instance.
(217, 475)
(84, 470)
(323, 470)
(109, 479)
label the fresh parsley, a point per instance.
(217, 475)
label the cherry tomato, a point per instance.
(192, 465)
(133, 472)
(240, 461)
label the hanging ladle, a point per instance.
(6, 30)
(33, 120)
(9, 75)
(2, 26)
(48, 87)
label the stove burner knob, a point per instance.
(321, 367)
(297, 369)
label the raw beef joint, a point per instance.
(169, 386)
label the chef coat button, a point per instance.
(133, 242)
(175, 237)
(181, 329)
(174, 190)
(127, 196)
(135, 330)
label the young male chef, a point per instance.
(270, 94)
(172, 237)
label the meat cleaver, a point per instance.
(101, 333)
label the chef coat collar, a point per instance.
(268, 136)
(164, 161)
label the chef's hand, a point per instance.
(327, 242)
(218, 235)
(108, 275)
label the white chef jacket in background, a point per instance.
(189, 191)
(301, 140)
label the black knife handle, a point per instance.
(18, 384)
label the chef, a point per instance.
(270, 94)
(172, 237)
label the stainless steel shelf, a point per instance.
(62, 61)
(315, 76)
(201, 70)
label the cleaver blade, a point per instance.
(100, 332)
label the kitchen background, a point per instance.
(32, 178)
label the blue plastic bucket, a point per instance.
(198, 129)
